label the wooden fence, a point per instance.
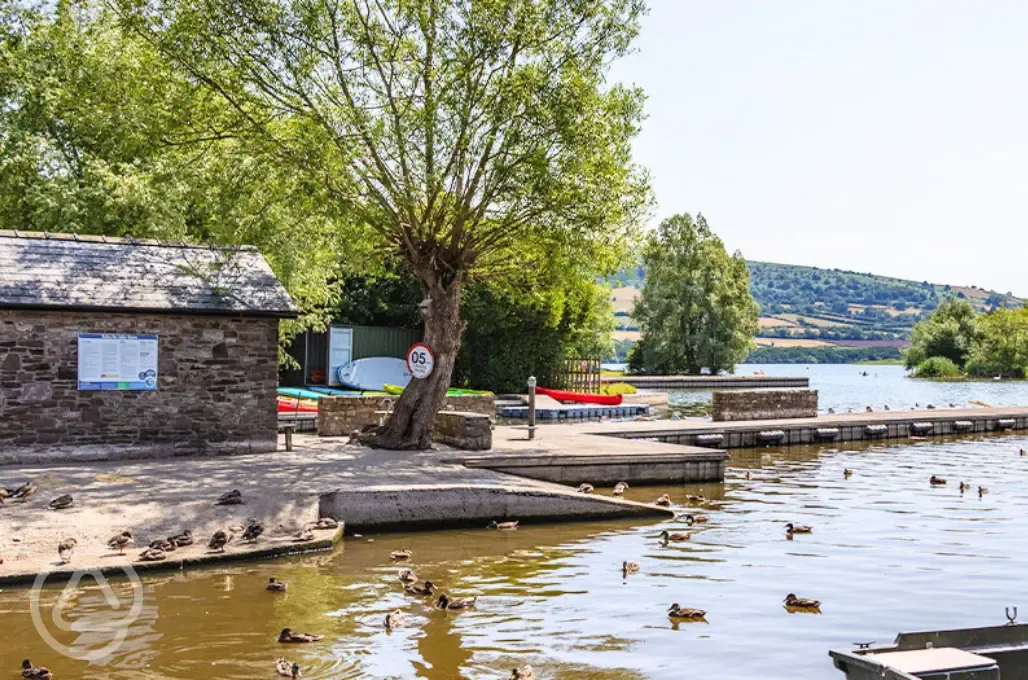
(581, 375)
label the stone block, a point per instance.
(764, 404)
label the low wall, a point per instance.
(339, 416)
(764, 405)
(463, 430)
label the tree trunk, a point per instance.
(410, 425)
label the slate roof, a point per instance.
(69, 271)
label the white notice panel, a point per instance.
(340, 351)
(112, 361)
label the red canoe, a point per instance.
(582, 397)
(291, 406)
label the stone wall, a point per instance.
(463, 430)
(217, 380)
(764, 404)
(339, 416)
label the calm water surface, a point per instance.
(888, 553)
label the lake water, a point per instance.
(888, 553)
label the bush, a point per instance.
(618, 388)
(937, 367)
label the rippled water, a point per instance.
(888, 553)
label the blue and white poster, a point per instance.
(113, 361)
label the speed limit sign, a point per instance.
(420, 361)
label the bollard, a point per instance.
(531, 407)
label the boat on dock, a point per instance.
(581, 397)
(990, 653)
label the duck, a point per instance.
(675, 611)
(584, 488)
(30, 672)
(664, 501)
(930, 406)
(163, 544)
(791, 528)
(695, 499)
(620, 488)
(326, 523)
(1024, 453)
(183, 539)
(408, 576)
(24, 491)
(426, 588)
(982, 491)
(253, 530)
(936, 481)
(868, 409)
(275, 586)
(65, 548)
(287, 669)
(119, 541)
(629, 567)
(61, 502)
(749, 475)
(233, 497)
(219, 540)
(287, 636)
(847, 473)
(394, 620)
(831, 410)
(446, 602)
(695, 519)
(522, 673)
(152, 555)
(5, 493)
(504, 526)
(886, 407)
(400, 555)
(964, 486)
(800, 602)
(303, 536)
(676, 536)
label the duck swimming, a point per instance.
(394, 620)
(446, 602)
(287, 669)
(674, 536)
(584, 488)
(275, 585)
(399, 555)
(936, 481)
(791, 528)
(695, 519)
(675, 611)
(964, 486)
(504, 526)
(287, 636)
(426, 588)
(664, 501)
(800, 602)
(847, 473)
(522, 673)
(408, 576)
(30, 672)
(620, 488)
(629, 567)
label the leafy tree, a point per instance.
(949, 332)
(937, 367)
(1001, 345)
(471, 138)
(696, 310)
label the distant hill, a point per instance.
(813, 307)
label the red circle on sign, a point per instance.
(416, 369)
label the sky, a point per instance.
(878, 136)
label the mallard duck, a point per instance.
(695, 519)
(584, 488)
(152, 555)
(65, 548)
(219, 540)
(847, 473)
(233, 497)
(982, 491)
(620, 488)
(275, 585)
(868, 409)
(120, 541)
(674, 536)
(426, 588)
(504, 526)
(831, 410)
(408, 576)
(964, 486)
(663, 501)
(800, 602)
(303, 536)
(930, 406)
(629, 567)
(326, 523)
(676, 612)
(748, 475)
(24, 491)
(30, 672)
(522, 673)
(61, 502)
(163, 544)
(1024, 453)
(791, 528)
(445, 602)
(695, 499)
(287, 636)
(400, 555)
(287, 669)
(394, 620)
(253, 531)
(183, 539)
(936, 481)
(886, 407)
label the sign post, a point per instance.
(420, 361)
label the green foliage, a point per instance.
(696, 310)
(821, 355)
(937, 367)
(950, 332)
(618, 388)
(1001, 346)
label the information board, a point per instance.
(112, 361)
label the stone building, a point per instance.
(113, 348)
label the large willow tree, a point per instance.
(472, 137)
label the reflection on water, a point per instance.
(888, 553)
(843, 387)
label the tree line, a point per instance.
(957, 340)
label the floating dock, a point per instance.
(707, 382)
(575, 412)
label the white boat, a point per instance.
(373, 373)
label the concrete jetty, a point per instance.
(707, 382)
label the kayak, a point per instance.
(582, 397)
(296, 406)
(452, 392)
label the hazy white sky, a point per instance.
(884, 136)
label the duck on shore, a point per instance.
(584, 488)
(219, 540)
(253, 531)
(182, 540)
(153, 555)
(620, 488)
(120, 541)
(65, 548)
(61, 502)
(233, 497)
(664, 501)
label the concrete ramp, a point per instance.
(404, 508)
